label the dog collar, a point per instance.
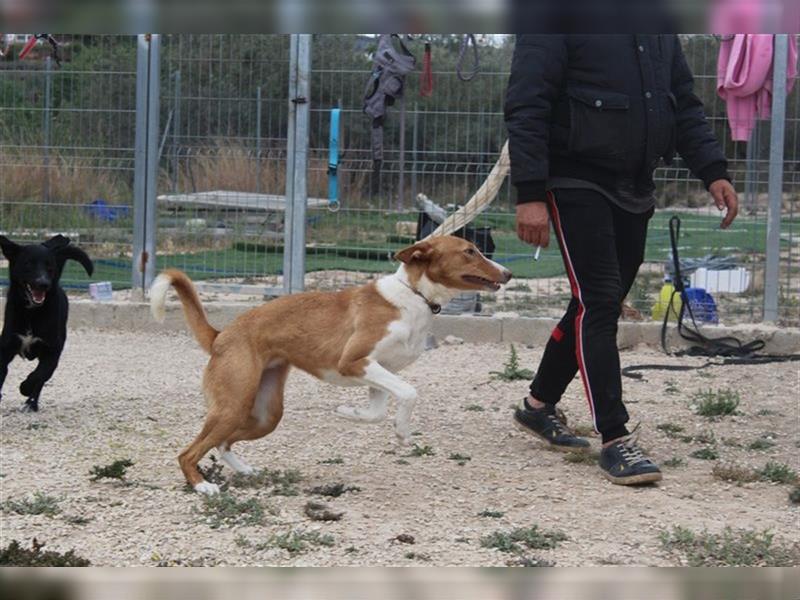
(435, 308)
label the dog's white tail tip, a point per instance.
(158, 296)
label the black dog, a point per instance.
(36, 311)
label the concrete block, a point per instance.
(471, 329)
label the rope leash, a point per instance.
(732, 349)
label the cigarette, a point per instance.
(538, 250)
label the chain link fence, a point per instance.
(67, 158)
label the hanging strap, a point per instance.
(465, 42)
(426, 77)
(333, 161)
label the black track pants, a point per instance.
(602, 247)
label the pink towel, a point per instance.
(744, 79)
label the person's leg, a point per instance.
(621, 460)
(584, 224)
(631, 241)
(559, 364)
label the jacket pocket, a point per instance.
(599, 123)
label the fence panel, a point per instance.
(66, 150)
(452, 140)
(222, 180)
(67, 140)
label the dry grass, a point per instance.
(73, 181)
(228, 166)
(232, 166)
(734, 473)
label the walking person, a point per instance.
(589, 118)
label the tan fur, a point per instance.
(317, 332)
(193, 309)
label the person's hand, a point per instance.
(725, 198)
(533, 223)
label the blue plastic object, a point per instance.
(333, 160)
(702, 304)
(103, 211)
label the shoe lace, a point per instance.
(558, 425)
(630, 450)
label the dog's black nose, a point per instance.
(41, 283)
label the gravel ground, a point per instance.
(135, 396)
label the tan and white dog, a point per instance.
(357, 336)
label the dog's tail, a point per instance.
(192, 307)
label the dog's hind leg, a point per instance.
(264, 417)
(214, 432)
(377, 411)
(230, 385)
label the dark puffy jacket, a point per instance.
(604, 108)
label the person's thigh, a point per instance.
(585, 227)
(631, 241)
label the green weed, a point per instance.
(730, 548)
(115, 470)
(512, 370)
(719, 403)
(531, 537)
(36, 504)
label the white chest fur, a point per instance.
(405, 340)
(27, 341)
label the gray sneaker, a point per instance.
(545, 424)
(624, 463)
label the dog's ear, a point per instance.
(418, 252)
(10, 249)
(56, 242)
(74, 253)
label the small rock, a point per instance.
(452, 340)
(405, 538)
(319, 511)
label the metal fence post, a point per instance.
(48, 106)
(414, 142)
(146, 161)
(294, 243)
(401, 166)
(776, 142)
(176, 131)
(258, 140)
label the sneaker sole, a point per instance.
(633, 479)
(541, 438)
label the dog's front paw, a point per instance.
(347, 412)
(207, 488)
(360, 415)
(31, 405)
(403, 436)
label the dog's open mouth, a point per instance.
(485, 283)
(37, 295)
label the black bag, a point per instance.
(480, 236)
